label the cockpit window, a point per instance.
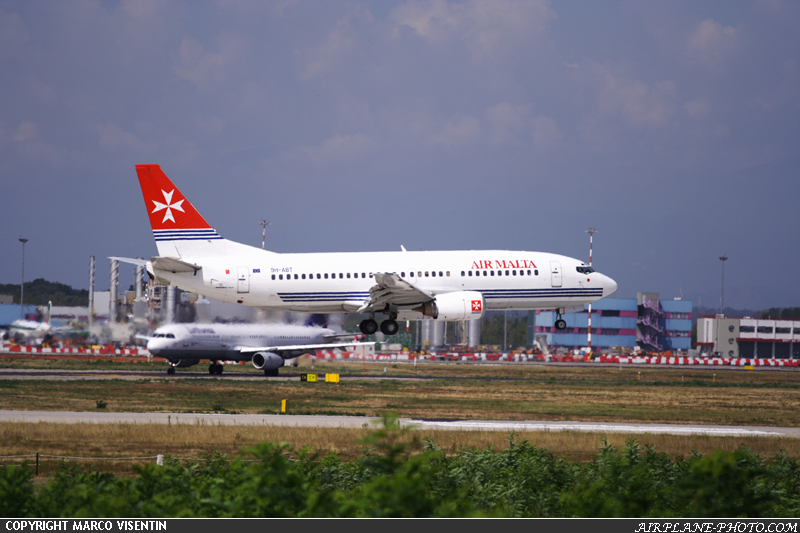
(584, 269)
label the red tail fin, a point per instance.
(167, 207)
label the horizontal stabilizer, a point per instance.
(172, 264)
(130, 260)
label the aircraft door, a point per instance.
(555, 273)
(243, 284)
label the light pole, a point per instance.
(264, 224)
(722, 288)
(722, 258)
(22, 285)
(591, 232)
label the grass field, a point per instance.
(464, 391)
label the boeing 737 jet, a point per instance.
(446, 286)
(266, 346)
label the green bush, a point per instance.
(398, 476)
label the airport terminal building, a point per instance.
(620, 324)
(751, 338)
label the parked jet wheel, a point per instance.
(271, 373)
(218, 370)
(171, 370)
(368, 326)
(389, 327)
(561, 324)
(212, 369)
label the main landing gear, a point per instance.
(369, 326)
(271, 373)
(215, 368)
(560, 324)
(171, 371)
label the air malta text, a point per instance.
(519, 263)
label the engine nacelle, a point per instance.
(462, 305)
(267, 361)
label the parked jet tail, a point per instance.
(179, 229)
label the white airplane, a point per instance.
(445, 286)
(266, 346)
(30, 329)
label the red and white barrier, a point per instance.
(708, 361)
(13, 348)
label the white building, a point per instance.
(751, 338)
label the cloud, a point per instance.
(711, 41)
(546, 133)
(697, 108)
(639, 104)
(27, 131)
(457, 131)
(506, 121)
(27, 142)
(115, 138)
(206, 68)
(486, 26)
(322, 59)
(340, 147)
(433, 20)
(12, 31)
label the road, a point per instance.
(67, 417)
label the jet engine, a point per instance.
(462, 305)
(267, 361)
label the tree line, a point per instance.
(41, 291)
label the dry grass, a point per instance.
(455, 391)
(593, 393)
(108, 441)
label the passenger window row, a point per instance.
(363, 275)
(420, 274)
(500, 272)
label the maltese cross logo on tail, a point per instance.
(169, 206)
(476, 306)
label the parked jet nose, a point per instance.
(609, 286)
(154, 346)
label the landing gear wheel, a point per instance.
(212, 369)
(389, 327)
(218, 369)
(368, 326)
(561, 324)
(271, 373)
(171, 370)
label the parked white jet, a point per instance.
(31, 329)
(448, 286)
(265, 345)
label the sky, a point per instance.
(673, 128)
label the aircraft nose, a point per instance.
(154, 346)
(609, 286)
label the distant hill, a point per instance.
(40, 291)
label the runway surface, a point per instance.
(66, 417)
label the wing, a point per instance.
(392, 290)
(292, 350)
(171, 264)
